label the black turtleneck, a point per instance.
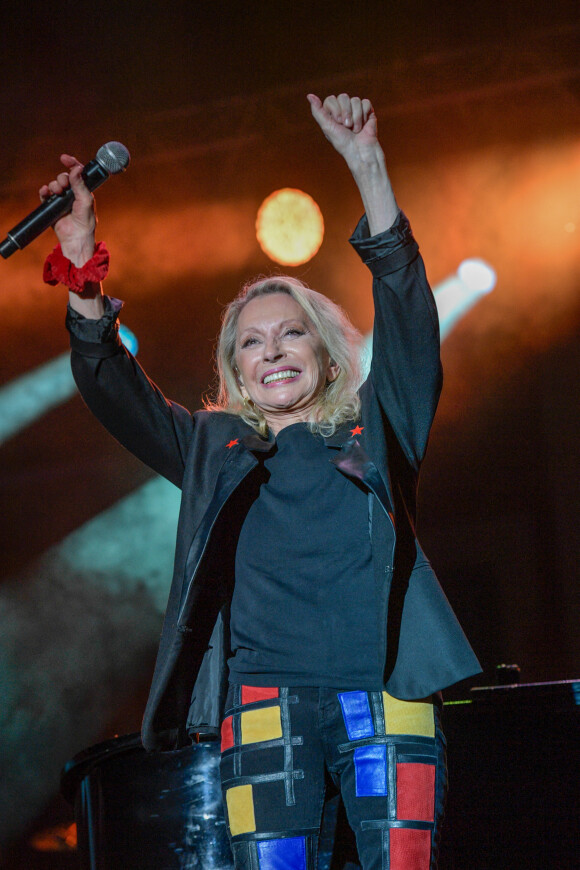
(303, 610)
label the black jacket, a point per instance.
(209, 454)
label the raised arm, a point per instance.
(76, 232)
(405, 371)
(111, 382)
(350, 125)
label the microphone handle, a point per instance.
(49, 211)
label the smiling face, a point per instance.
(281, 359)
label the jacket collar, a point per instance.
(341, 439)
(352, 459)
(256, 443)
(342, 436)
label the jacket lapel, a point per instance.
(354, 462)
(239, 462)
(256, 443)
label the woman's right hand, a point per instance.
(76, 230)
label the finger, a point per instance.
(357, 114)
(62, 179)
(56, 187)
(69, 161)
(344, 103)
(317, 109)
(367, 110)
(75, 178)
(371, 125)
(332, 108)
(315, 102)
(77, 181)
(77, 184)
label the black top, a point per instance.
(303, 610)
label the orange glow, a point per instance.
(148, 247)
(62, 838)
(289, 227)
(515, 207)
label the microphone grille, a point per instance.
(113, 157)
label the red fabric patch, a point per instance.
(409, 849)
(227, 734)
(251, 694)
(416, 791)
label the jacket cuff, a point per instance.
(95, 338)
(388, 251)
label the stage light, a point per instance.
(477, 275)
(289, 227)
(456, 295)
(28, 397)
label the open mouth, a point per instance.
(283, 375)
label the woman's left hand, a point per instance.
(348, 123)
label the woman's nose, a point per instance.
(272, 350)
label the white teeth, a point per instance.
(279, 376)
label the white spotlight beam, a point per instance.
(25, 399)
(454, 297)
(30, 396)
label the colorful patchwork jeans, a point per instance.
(387, 757)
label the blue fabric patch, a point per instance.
(370, 767)
(356, 713)
(286, 854)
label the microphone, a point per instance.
(111, 159)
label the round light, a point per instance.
(477, 275)
(289, 227)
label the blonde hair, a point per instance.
(338, 401)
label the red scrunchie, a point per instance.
(59, 270)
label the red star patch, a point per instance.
(357, 430)
(232, 443)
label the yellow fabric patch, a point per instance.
(408, 717)
(262, 724)
(240, 804)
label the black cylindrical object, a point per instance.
(148, 811)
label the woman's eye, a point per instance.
(249, 341)
(294, 331)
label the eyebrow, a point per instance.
(281, 324)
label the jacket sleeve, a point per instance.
(119, 393)
(405, 368)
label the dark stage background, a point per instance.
(479, 112)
